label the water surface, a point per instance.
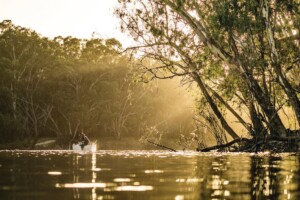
(147, 175)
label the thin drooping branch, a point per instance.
(162, 146)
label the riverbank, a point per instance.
(132, 143)
(276, 145)
(128, 143)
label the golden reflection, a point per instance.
(204, 176)
(136, 183)
(134, 188)
(217, 183)
(122, 180)
(226, 176)
(96, 169)
(153, 171)
(78, 161)
(219, 193)
(94, 175)
(75, 176)
(106, 197)
(119, 184)
(291, 165)
(83, 185)
(54, 173)
(223, 177)
(273, 177)
(179, 197)
(189, 180)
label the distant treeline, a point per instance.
(57, 87)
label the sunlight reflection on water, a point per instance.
(134, 188)
(83, 185)
(122, 180)
(54, 173)
(148, 175)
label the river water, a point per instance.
(59, 175)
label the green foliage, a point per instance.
(58, 87)
(243, 54)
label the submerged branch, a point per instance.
(162, 146)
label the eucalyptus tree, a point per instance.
(254, 42)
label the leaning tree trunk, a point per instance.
(231, 110)
(203, 89)
(213, 106)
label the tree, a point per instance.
(236, 39)
(25, 57)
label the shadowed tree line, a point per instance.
(58, 87)
(242, 55)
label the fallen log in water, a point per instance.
(222, 146)
(273, 144)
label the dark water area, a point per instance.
(147, 175)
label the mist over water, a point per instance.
(147, 175)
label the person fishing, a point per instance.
(83, 140)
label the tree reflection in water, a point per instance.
(81, 163)
(259, 176)
(30, 175)
(274, 177)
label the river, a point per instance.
(58, 175)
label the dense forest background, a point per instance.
(58, 87)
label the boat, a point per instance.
(90, 147)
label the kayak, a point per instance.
(90, 147)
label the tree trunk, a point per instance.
(286, 86)
(258, 127)
(276, 126)
(238, 117)
(290, 92)
(213, 106)
(14, 101)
